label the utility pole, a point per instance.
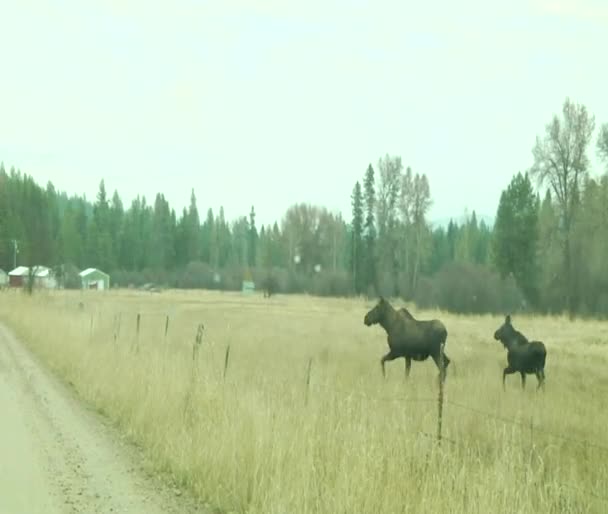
(15, 252)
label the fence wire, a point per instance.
(441, 438)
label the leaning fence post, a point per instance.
(166, 326)
(440, 399)
(531, 432)
(138, 321)
(117, 321)
(91, 327)
(226, 359)
(197, 342)
(195, 348)
(308, 380)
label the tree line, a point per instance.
(546, 251)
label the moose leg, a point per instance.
(540, 375)
(388, 357)
(408, 366)
(446, 361)
(507, 371)
(523, 379)
(437, 359)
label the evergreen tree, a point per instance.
(252, 239)
(516, 235)
(208, 238)
(162, 253)
(356, 267)
(6, 239)
(369, 196)
(192, 231)
(224, 238)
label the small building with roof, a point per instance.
(42, 276)
(93, 278)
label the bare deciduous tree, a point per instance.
(390, 169)
(421, 202)
(560, 160)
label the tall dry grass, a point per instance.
(255, 441)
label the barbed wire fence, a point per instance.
(441, 401)
(536, 430)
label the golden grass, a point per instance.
(256, 442)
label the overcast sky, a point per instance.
(273, 102)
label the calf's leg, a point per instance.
(507, 371)
(388, 357)
(540, 375)
(408, 366)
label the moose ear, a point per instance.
(508, 319)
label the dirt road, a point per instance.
(57, 456)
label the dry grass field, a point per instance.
(254, 437)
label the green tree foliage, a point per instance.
(516, 235)
(208, 239)
(162, 255)
(223, 239)
(6, 242)
(192, 231)
(602, 144)
(590, 248)
(388, 247)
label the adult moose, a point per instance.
(523, 356)
(409, 338)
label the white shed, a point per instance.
(93, 278)
(43, 277)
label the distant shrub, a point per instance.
(331, 283)
(196, 275)
(469, 289)
(70, 277)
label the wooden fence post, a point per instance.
(531, 432)
(226, 359)
(117, 322)
(440, 398)
(308, 380)
(137, 325)
(91, 328)
(198, 340)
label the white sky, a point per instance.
(273, 102)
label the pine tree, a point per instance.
(193, 232)
(224, 238)
(357, 238)
(252, 239)
(208, 238)
(516, 235)
(369, 196)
